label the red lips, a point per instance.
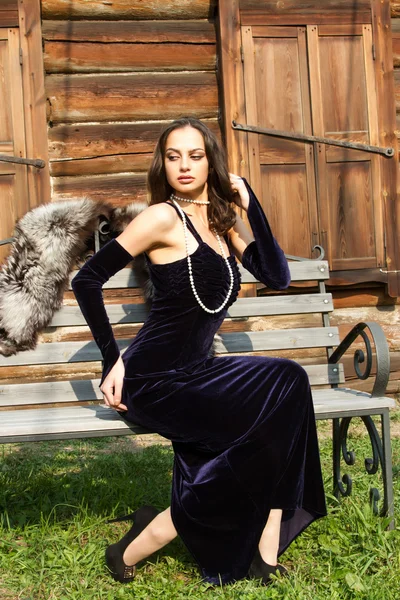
(185, 178)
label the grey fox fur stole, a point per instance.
(48, 242)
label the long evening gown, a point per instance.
(242, 427)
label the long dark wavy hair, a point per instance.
(220, 211)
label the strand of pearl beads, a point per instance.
(189, 261)
(173, 197)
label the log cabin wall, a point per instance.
(115, 73)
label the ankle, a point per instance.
(269, 556)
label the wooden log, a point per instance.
(395, 8)
(87, 140)
(303, 12)
(9, 13)
(126, 9)
(114, 189)
(83, 98)
(145, 32)
(120, 163)
(396, 50)
(89, 57)
(397, 88)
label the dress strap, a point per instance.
(190, 225)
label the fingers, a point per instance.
(112, 396)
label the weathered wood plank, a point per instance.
(88, 140)
(134, 96)
(91, 57)
(243, 307)
(61, 423)
(395, 8)
(114, 189)
(302, 12)
(312, 337)
(9, 13)
(34, 100)
(189, 32)
(8, 18)
(89, 421)
(126, 9)
(299, 271)
(389, 188)
(120, 163)
(88, 390)
(396, 75)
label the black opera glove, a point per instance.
(263, 257)
(87, 286)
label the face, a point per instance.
(186, 163)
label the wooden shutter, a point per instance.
(344, 107)
(323, 70)
(277, 97)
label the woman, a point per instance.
(247, 477)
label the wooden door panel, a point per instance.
(286, 205)
(5, 105)
(343, 99)
(277, 97)
(351, 213)
(343, 85)
(277, 151)
(278, 94)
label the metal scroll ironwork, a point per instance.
(343, 483)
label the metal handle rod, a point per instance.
(34, 162)
(388, 152)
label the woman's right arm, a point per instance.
(147, 229)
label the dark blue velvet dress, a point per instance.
(242, 427)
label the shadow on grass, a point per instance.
(107, 477)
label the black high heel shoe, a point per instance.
(259, 569)
(114, 553)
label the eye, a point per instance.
(197, 157)
(171, 157)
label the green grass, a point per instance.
(56, 496)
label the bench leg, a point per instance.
(381, 456)
(342, 486)
(388, 507)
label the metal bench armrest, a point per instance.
(382, 355)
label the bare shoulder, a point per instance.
(151, 227)
(162, 215)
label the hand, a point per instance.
(242, 197)
(112, 386)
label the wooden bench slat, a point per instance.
(91, 421)
(278, 339)
(63, 423)
(84, 390)
(69, 316)
(299, 271)
(251, 341)
(50, 392)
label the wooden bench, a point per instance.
(49, 409)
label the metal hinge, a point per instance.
(242, 54)
(20, 56)
(373, 52)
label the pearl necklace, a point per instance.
(173, 197)
(189, 261)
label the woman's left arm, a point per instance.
(261, 256)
